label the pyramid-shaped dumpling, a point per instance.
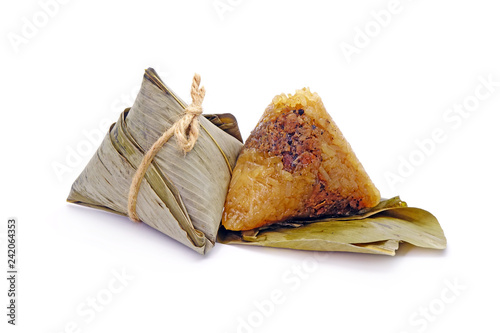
(296, 164)
(182, 194)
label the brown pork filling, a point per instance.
(296, 138)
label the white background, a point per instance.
(81, 67)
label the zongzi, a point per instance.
(296, 164)
(297, 184)
(182, 194)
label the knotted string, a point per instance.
(186, 131)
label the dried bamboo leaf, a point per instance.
(383, 205)
(126, 146)
(226, 122)
(376, 231)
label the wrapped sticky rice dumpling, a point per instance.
(182, 194)
(298, 184)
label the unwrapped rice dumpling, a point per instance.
(296, 164)
(297, 184)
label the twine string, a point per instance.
(185, 130)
